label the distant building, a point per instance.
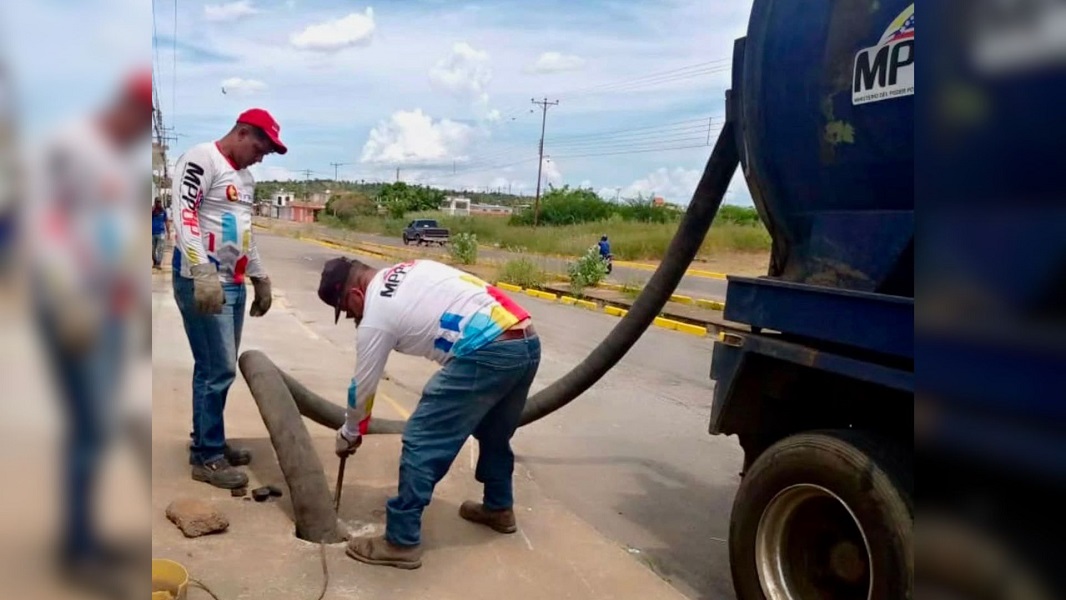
(495, 210)
(456, 206)
(285, 206)
(304, 211)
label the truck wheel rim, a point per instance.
(809, 545)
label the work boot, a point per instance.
(237, 457)
(380, 551)
(501, 520)
(221, 474)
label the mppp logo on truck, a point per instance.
(886, 70)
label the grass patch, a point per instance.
(631, 290)
(522, 272)
(629, 240)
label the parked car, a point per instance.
(425, 231)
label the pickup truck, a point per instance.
(425, 231)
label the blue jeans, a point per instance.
(159, 242)
(88, 383)
(481, 395)
(214, 340)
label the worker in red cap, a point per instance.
(214, 256)
(83, 225)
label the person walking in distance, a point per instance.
(160, 232)
(214, 254)
(490, 355)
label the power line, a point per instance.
(544, 104)
(635, 151)
(688, 130)
(667, 76)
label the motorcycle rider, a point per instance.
(605, 251)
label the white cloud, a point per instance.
(550, 172)
(357, 29)
(464, 72)
(676, 186)
(243, 87)
(556, 62)
(413, 137)
(229, 12)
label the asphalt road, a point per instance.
(691, 285)
(631, 456)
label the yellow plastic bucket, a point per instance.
(169, 576)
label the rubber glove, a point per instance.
(263, 298)
(346, 447)
(207, 289)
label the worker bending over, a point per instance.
(490, 355)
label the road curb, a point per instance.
(366, 249)
(615, 311)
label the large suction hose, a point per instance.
(282, 399)
(316, 518)
(690, 234)
(686, 242)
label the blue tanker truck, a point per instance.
(814, 366)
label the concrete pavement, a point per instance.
(555, 555)
(631, 456)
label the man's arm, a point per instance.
(373, 350)
(192, 178)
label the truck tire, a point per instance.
(406, 242)
(824, 515)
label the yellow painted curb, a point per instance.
(615, 311)
(691, 329)
(586, 304)
(712, 304)
(665, 323)
(567, 299)
(540, 294)
(681, 299)
(509, 287)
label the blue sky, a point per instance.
(442, 89)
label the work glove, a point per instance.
(78, 327)
(261, 303)
(207, 289)
(345, 447)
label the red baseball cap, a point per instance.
(138, 86)
(262, 119)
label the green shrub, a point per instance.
(392, 227)
(522, 272)
(464, 248)
(740, 215)
(586, 271)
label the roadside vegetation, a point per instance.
(571, 221)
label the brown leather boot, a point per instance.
(502, 520)
(379, 551)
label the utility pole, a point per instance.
(335, 173)
(397, 174)
(544, 104)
